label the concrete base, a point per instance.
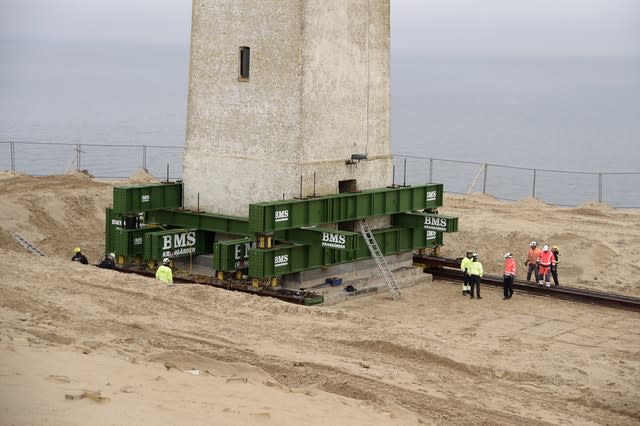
(363, 277)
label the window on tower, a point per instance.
(245, 54)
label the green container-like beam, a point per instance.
(142, 198)
(272, 216)
(176, 243)
(130, 242)
(290, 258)
(204, 221)
(232, 255)
(431, 221)
(325, 237)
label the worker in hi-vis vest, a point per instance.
(464, 265)
(475, 271)
(164, 273)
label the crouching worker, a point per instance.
(164, 272)
(108, 262)
(79, 257)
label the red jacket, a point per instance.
(546, 259)
(510, 266)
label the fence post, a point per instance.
(533, 189)
(144, 157)
(430, 170)
(78, 157)
(404, 183)
(599, 187)
(13, 156)
(484, 181)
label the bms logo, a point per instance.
(281, 260)
(281, 215)
(330, 239)
(432, 195)
(439, 222)
(145, 198)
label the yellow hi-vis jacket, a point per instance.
(464, 264)
(164, 274)
(475, 268)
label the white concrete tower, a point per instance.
(280, 91)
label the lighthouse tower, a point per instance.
(286, 99)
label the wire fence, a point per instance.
(558, 187)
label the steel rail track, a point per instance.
(300, 297)
(449, 269)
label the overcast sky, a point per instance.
(563, 27)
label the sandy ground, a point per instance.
(82, 345)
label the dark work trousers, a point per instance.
(554, 274)
(533, 267)
(475, 283)
(467, 280)
(508, 286)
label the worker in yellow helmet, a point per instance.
(79, 257)
(164, 272)
(554, 268)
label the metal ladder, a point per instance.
(26, 244)
(377, 255)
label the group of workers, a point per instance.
(542, 264)
(163, 273)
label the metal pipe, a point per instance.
(599, 187)
(533, 190)
(484, 182)
(393, 177)
(404, 181)
(13, 156)
(314, 184)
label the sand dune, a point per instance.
(82, 345)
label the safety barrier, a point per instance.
(557, 187)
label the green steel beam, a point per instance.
(290, 258)
(204, 221)
(272, 216)
(432, 221)
(142, 198)
(176, 243)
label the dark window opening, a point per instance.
(245, 54)
(348, 186)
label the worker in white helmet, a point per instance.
(109, 262)
(532, 261)
(545, 262)
(164, 272)
(475, 272)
